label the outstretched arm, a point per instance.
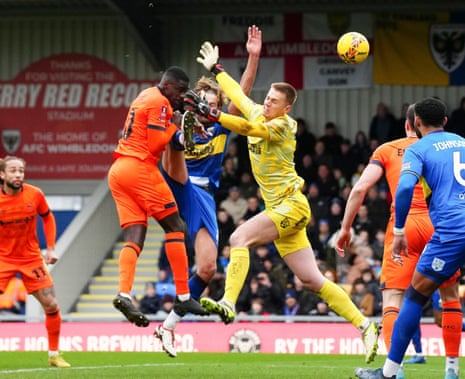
(254, 47)
(370, 176)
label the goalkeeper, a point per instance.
(271, 140)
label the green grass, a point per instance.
(98, 365)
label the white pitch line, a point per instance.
(40, 369)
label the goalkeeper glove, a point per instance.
(209, 58)
(193, 103)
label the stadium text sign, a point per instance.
(245, 337)
(63, 114)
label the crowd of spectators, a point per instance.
(330, 164)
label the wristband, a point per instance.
(399, 231)
(216, 69)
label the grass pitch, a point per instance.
(99, 365)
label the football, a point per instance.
(353, 47)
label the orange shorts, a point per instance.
(418, 231)
(33, 271)
(139, 191)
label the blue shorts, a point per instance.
(196, 206)
(441, 260)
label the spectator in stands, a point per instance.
(357, 263)
(165, 284)
(215, 288)
(306, 168)
(261, 286)
(320, 155)
(13, 299)
(225, 227)
(307, 299)
(223, 259)
(336, 210)
(346, 160)
(291, 304)
(247, 187)
(229, 178)
(234, 204)
(253, 208)
(322, 309)
(258, 256)
(167, 304)
(383, 124)
(378, 208)
(362, 297)
(372, 284)
(257, 307)
(150, 303)
(357, 174)
(456, 123)
(327, 185)
(378, 244)
(320, 239)
(304, 140)
(362, 221)
(331, 139)
(242, 153)
(277, 271)
(361, 147)
(318, 204)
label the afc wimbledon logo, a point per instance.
(447, 43)
(11, 140)
(244, 341)
(438, 264)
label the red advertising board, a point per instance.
(63, 113)
(253, 337)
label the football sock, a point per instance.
(176, 253)
(406, 324)
(127, 266)
(196, 285)
(390, 315)
(452, 327)
(238, 269)
(172, 320)
(416, 341)
(340, 302)
(53, 325)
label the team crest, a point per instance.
(11, 140)
(447, 44)
(244, 341)
(438, 264)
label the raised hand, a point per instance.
(254, 40)
(209, 55)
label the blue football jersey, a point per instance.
(204, 164)
(438, 160)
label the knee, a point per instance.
(237, 239)
(206, 270)
(50, 305)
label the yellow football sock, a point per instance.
(236, 273)
(340, 302)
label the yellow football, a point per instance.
(353, 47)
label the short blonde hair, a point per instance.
(209, 85)
(288, 90)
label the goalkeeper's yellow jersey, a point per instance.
(272, 158)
